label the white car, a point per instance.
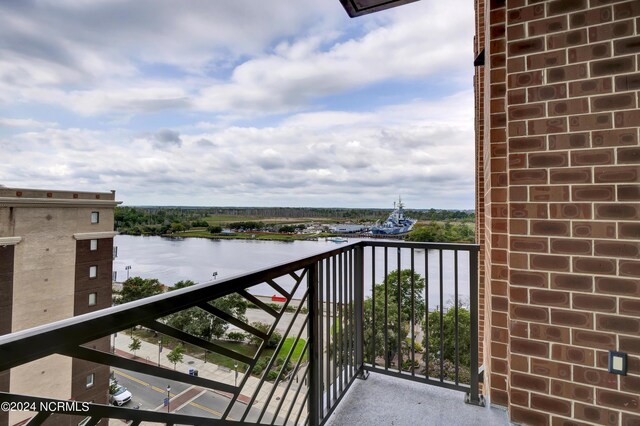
(119, 396)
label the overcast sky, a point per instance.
(239, 103)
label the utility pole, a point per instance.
(168, 398)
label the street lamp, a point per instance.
(215, 275)
(128, 268)
(168, 399)
(235, 382)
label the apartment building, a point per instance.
(56, 254)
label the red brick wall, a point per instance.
(102, 286)
(494, 185)
(483, 311)
(567, 75)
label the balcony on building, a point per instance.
(329, 307)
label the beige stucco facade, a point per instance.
(44, 228)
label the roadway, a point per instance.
(149, 392)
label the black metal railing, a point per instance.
(366, 306)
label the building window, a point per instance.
(93, 245)
(93, 271)
(95, 217)
(93, 299)
(90, 378)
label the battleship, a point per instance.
(396, 223)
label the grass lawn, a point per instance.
(226, 219)
(286, 347)
(169, 343)
(243, 348)
(267, 236)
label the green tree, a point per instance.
(447, 232)
(449, 328)
(199, 323)
(135, 345)
(214, 229)
(178, 227)
(287, 229)
(264, 327)
(432, 232)
(392, 329)
(136, 288)
(176, 355)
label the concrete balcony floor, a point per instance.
(383, 400)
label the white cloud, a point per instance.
(85, 57)
(25, 122)
(428, 42)
(366, 163)
(232, 102)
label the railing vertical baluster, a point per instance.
(345, 322)
(358, 305)
(455, 297)
(334, 345)
(347, 318)
(399, 299)
(340, 321)
(441, 319)
(327, 306)
(320, 314)
(373, 307)
(474, 397)
(386, 316)
(315, 381)
(413, 315)
(426, 311)
(351, 310)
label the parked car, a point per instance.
(119, 395)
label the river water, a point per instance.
(174, 259)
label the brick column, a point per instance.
(572, 72)
(494, 185)
(478, 82)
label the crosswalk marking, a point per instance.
(163, 391)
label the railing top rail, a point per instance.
(417, 245)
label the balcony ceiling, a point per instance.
(362, 7)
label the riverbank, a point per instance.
(263, 236)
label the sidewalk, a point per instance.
(148, 353)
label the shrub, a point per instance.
(264, 327)
(260, 366)
(271, 375)
(406, 364)
(449, 371)
(236, 336)
(214, 229)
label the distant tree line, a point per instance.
(165, 220)
(443, 233)
(157, 220)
